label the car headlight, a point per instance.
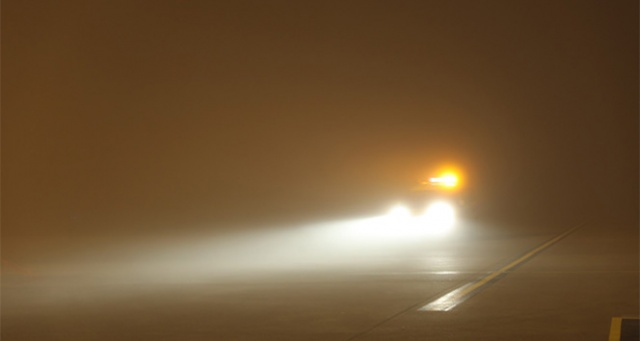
(440, 216)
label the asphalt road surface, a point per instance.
(518, 282)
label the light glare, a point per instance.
(440, 217)
(449, 180)
(399, 212)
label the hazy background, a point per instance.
(133, 119)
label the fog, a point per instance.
(213, 131)
(116, 271)
(357, 244)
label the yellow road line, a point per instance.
(453, 298)
(616, 328)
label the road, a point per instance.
(538, 285)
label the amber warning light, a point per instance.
(448, 180)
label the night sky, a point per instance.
(138, 118)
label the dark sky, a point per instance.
(134, 117)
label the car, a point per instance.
(437, 201)
(445, 188)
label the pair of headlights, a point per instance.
(439, 214)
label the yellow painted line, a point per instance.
(455, 297)
(616, 328)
